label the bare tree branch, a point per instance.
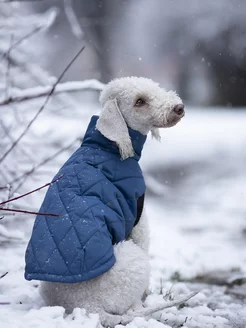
(42, 107)
(48, 159)
(7, 75)
(30, 192)
(18, 42)
(37, 92)
(7, 133)
(3, 275)
(26, 212)
(126, 318)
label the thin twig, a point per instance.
(26, 174)
(42, 107)
(9, 191)
(126, 318)
(160, 307)
(26, 212)
(3, 275)
(30, 192)
(37, 92)
(7, 75)
(7, 133)
(18, 42)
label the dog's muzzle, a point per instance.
(175, 115)
(179, 110)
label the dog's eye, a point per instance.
(140, 102)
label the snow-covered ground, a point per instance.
(196, 203)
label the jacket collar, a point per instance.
(94, 138)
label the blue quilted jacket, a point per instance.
(96, 200)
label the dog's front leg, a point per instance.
(140, 233)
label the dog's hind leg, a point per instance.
(140, 233)
(125, 283)
(109, 294)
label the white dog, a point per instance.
(139, 104)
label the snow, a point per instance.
(196, 207)
(195, 200)
(52, 318)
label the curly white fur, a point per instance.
(114, 292)
(117, 293)
(118, 100)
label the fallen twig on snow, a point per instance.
(155, 308)
(43, 106)
(169, 304)
(112, 320)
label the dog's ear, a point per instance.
(112, 125)
(156, 134)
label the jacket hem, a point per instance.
(71, 279)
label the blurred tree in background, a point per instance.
(201, 46)
(198, 48)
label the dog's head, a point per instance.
(140, 104)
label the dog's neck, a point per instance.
(94, 138)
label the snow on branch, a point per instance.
(44, 20)
(127, 318)
(18, 95)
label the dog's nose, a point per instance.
(179, 109)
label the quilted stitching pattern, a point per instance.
(97, 205)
